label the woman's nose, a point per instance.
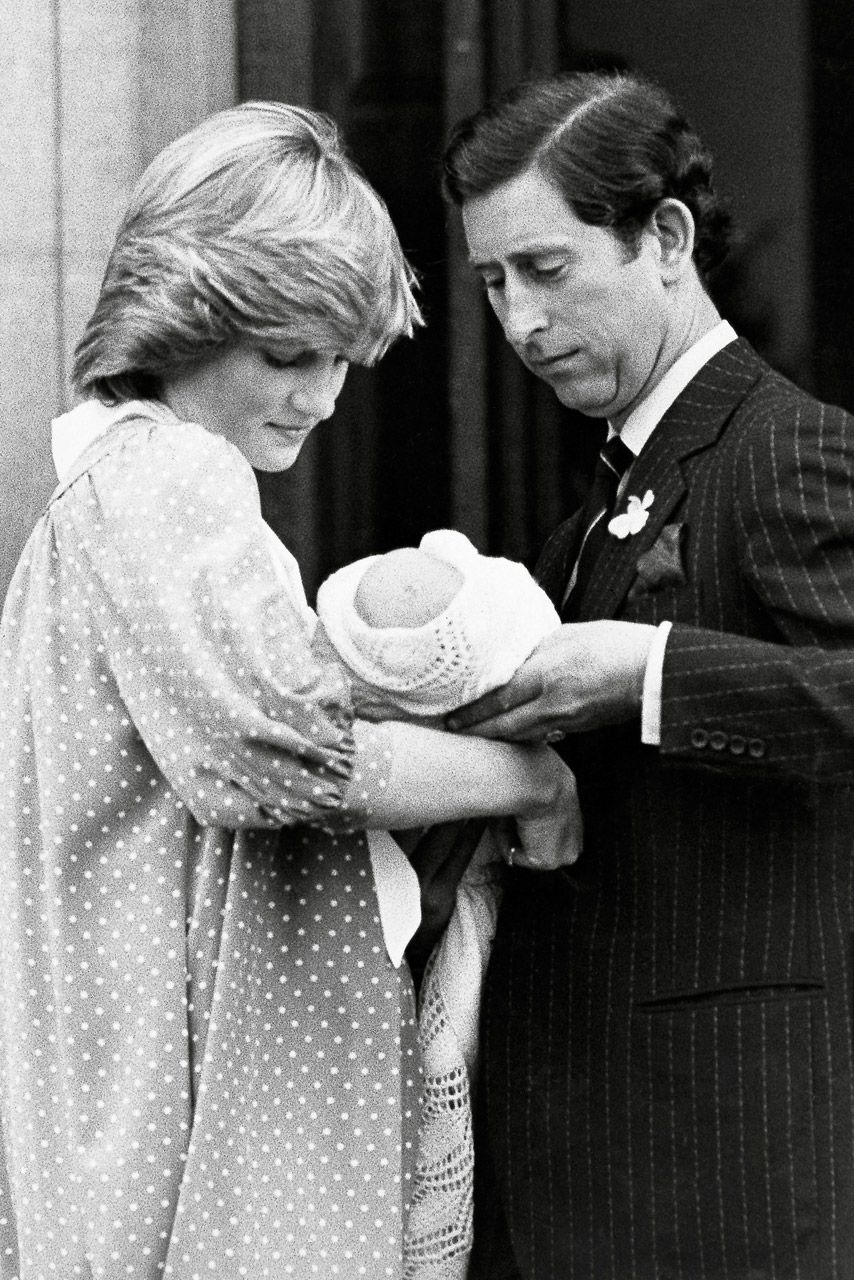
(317, 392)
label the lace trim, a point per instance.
(439, 1232)
(438, 1238)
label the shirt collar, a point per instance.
(643, 419)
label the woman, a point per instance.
(206, 1053)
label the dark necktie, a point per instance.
(614, 459)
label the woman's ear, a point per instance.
(671, 224)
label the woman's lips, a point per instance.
(292, 429)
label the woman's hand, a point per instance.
(551, 833)
(441, 777)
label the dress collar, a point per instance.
(72, 433)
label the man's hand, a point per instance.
(585, 675)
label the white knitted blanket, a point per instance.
(439, 1233)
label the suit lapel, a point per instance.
(692, 424)
(558, 556)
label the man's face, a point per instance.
(581, 310)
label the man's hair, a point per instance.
(254, 227)
(613, 144)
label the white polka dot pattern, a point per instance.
(206, 1059)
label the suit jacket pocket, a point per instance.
(664, 604)
(727, 1121)
(746, 992)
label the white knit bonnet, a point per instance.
(494, 621)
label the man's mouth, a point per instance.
(542, 364)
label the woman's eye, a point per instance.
(290, 359)
(491, 282)
(299, 359)
(279, 362)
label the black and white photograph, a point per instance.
(427, 640)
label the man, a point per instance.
(667, 1087)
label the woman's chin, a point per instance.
(280, 459)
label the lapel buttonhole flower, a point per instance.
(633, 519)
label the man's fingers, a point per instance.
(510, 727)
(492, 706)
(473, 713)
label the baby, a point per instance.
(422, 631)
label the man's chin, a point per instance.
(590, 406)
(581, 394)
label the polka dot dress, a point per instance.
(206, 1058)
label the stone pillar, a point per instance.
(92, 90)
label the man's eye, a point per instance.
(550, 270)
(491, 282)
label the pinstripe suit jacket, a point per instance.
(667, 1088)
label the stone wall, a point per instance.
(92, 90)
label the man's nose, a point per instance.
(524, 317)
(317, 392)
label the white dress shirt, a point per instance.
(637, 429)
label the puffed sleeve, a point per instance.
(210, 654)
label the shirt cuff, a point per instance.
(651, 697)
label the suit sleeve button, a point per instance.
(718, 740)
(699, 738)
(756, 748)
(738, 744)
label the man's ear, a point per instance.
(671, 225)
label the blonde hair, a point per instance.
(255, 227)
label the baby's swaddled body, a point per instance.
(421, 632)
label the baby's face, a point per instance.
(424, 631)
(406, 588)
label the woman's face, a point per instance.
(265, 405)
